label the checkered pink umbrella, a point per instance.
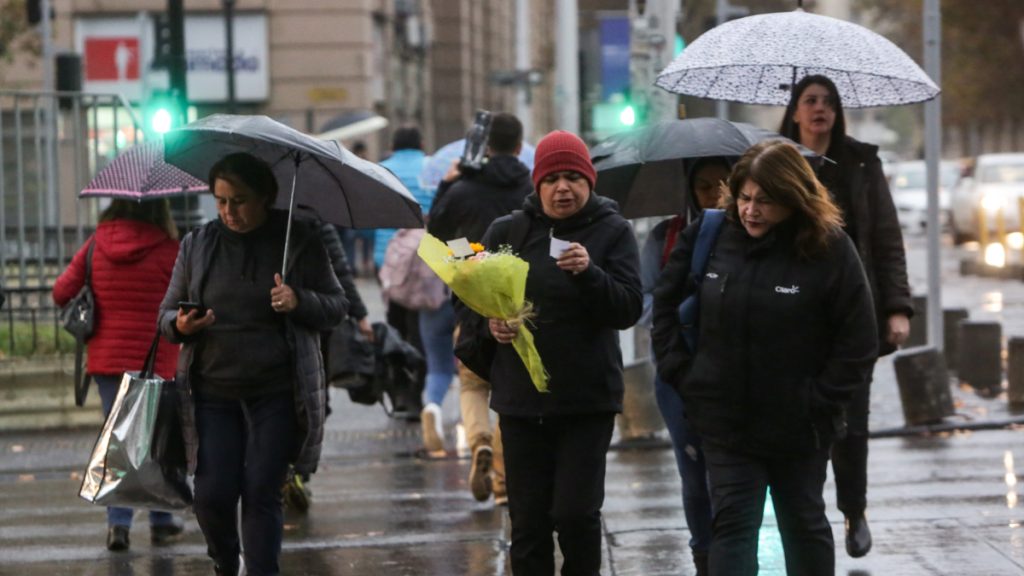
(140, 173)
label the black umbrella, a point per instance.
(644, 170)
(333, 184)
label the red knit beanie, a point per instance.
(560, 151)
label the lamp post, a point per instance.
(229, 56)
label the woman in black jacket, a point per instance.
(584, 283)
(250, 373)
(815, 119)
(786, 335)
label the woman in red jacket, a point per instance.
(135, 248)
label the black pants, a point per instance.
(554, 472)
(739, 483)
(244, 448)
(850, 456)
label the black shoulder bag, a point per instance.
(78, 317)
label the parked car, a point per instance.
(995, 187)
(908, 183)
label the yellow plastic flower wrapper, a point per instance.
(494, 286)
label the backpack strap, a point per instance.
(710, 225)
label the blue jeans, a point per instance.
(117, 516)
(244, 451)
(690, 460)
(437, 328)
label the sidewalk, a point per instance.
(940, 505)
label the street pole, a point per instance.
(229, 62)
(640, 66)
(524, 108)
(721, 15)
(932, 14)
(664, 104)
(567, 66)
(50, 120)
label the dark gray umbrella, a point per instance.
(644, 170)
(324, 178)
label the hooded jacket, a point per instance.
(321, 306)
(576, 330)
(784, 341)
(131, 266)
(467, 206)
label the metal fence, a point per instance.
(51, 144)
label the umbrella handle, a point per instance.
(291, 208)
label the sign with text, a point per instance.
(117, 53)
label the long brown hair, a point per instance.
(155, 212)
(786, 177)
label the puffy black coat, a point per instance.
(321, 307)
(467, 206)
(784, 341)
(339, 263)
(875, 227)
(578, 316)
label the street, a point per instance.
(941, 505)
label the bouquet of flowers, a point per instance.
(492, 284)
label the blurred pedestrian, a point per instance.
(815, 119)
(134, 248)
(465, 206)
(296, 491)
(705, 178)
(406, 162)
(584, 283)
(250, 369)
(786, 337)
(358, 244)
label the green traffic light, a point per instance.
(161, 121)
(628, 115)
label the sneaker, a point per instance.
(117, 539)
(162, 534)
(295, 494)
(433, 433)
(480, 473)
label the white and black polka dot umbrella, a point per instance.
(140, 173)
(757, 59)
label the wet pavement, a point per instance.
(939, 505)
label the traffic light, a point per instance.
(163, 112)
(616, 115)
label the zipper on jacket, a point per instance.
(725, 279)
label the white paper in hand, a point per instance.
(557, 247)
(460, 247)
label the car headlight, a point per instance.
(992, 202)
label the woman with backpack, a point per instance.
(703, 189)
(786, 335)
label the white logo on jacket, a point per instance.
(711, 275)
(794, 289)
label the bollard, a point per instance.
(924, 385)
(979, 362)
(1015, 371)
(918, 324)
(640, 418)
(951, 318)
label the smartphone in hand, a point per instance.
(189, 306)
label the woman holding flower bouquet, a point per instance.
(584, 284)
